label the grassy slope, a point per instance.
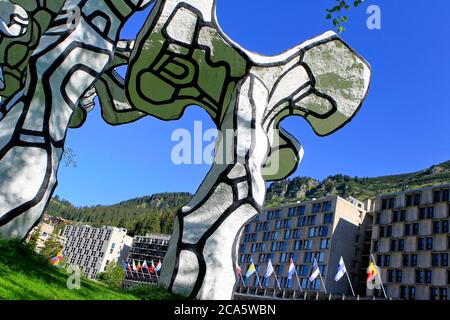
(27, 276)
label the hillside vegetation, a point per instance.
(302, 188)
(149, 214)
(155, 214)
(25, 275)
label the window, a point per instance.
(405, 260)
(298, 244)
(435, 260)
(396, 216)
(387, 260)
(429, 243)
(378, 217)
(301, 210)
(323, 231)
(243, 248)
(422, 212)
(324, 243)
(401, 245)
(320, 256)
(308, 244)
(391, 203)
(407, 230)
(415, 229)
(403, 215)
(412, 293)
(393, 245)
(445, 195)
(430, 212)
(437, 196)
(436, 226)
(376, 245)
(444, 259)
(327, 218)
(428, 276)
(399, 276)
(404, 292)
(308, 256)
(417, 199)
(292, 212)
(381, 232)
(444, 226)
(388, 231)
(384, 204)
(414, 260)
(409, 200)
(316, 207)
(419, 276)
(327, 206)
(420, 244)
(443, 292)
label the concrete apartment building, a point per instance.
(92, 249)
(410, 242)
(145, 248)
(326, 228)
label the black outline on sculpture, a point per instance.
(127, 100)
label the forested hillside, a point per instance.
(139, 216)
(301, 188)
(156, 213)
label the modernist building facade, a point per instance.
(325, 229)
(410, 242)
(92, 249)
(152, 247)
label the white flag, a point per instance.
(341, 270)
(315, 271)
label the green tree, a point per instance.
(34, 238)
(113, 275)
(51, 248)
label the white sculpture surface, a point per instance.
(181, 57)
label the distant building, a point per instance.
(325, 229)
(152, 247)
(92, 249)
(45, 232)
(410, 242)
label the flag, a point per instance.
(251, 270)
(315, 271)
(129, 266)
(341, 270)
(291, 269)
(145, 265)
(124, 265)
(269, 269)
(371, 272)
(158, 266)
(139, 267)
(152, 267)
(238, 270)
(134, 266)
(61, 255)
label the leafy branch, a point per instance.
(337, 13)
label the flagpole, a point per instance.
(379, 275)
(320, 276)
(348, 278)
(257, 277)
(298, 281)
(242, 279)
(276, 279)
(323, 283)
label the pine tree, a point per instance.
(34, 238)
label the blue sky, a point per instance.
(402, 127)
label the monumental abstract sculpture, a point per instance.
(181, 57)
